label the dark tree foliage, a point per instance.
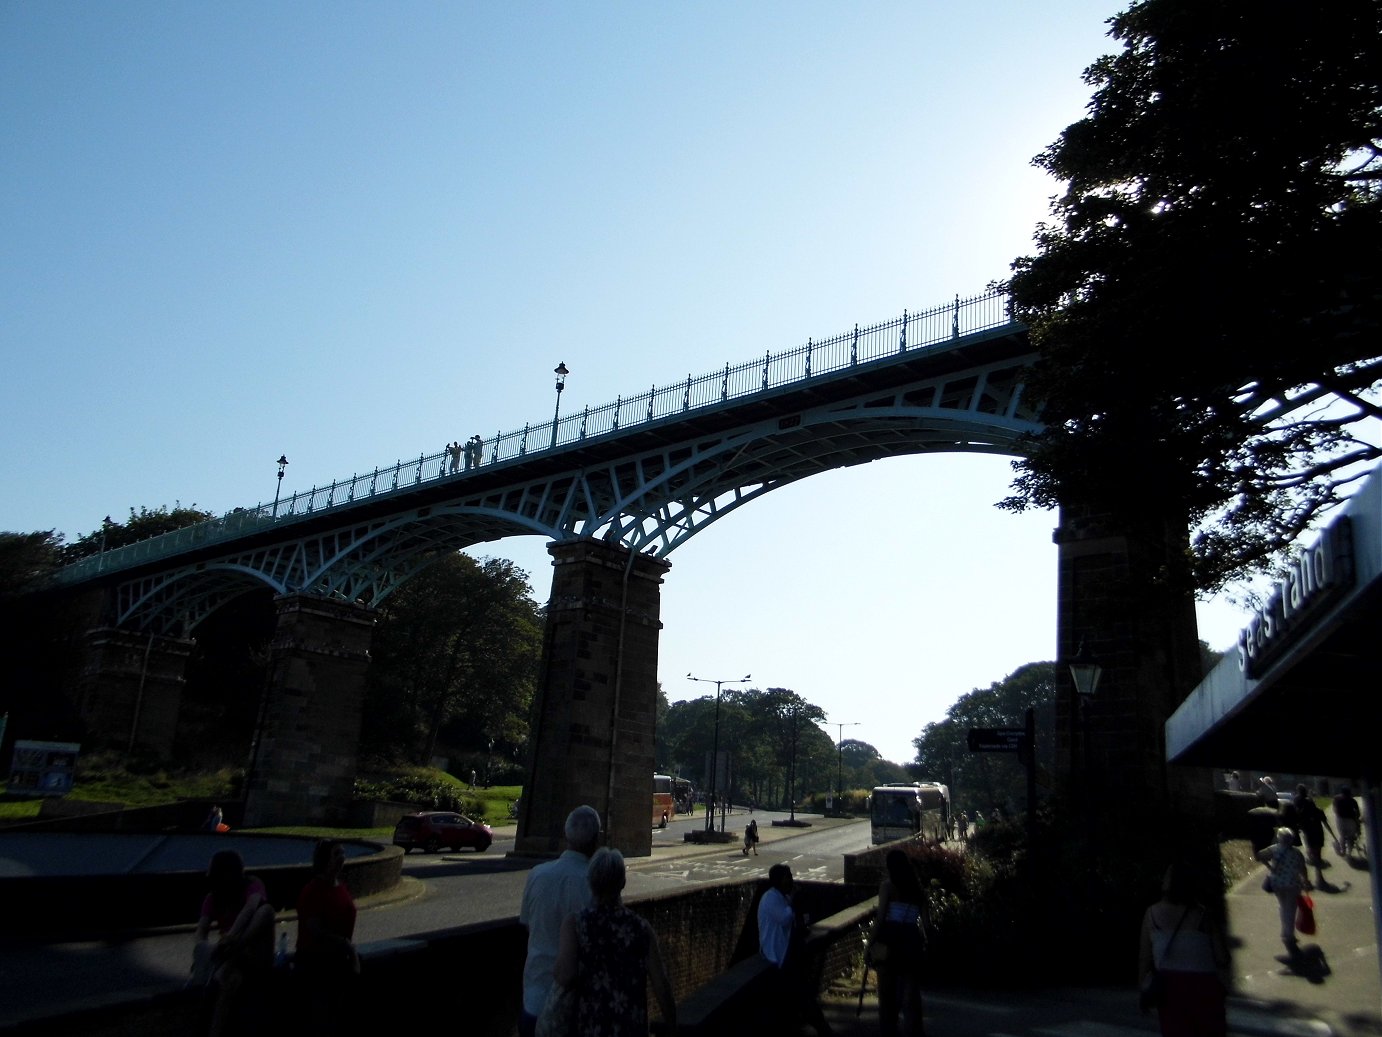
(39, 678)
(454, 659)
(142, 524)
(1206, 297)
(983, 781)
(757, 729)
(26, 561)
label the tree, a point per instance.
(792, 719)
(456, 648)
(27, 560)
(985, 780)
(864, 766)
(1206, 299)
(142, 524)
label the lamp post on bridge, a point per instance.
(282, 464)
(715, 752)
(561, 372)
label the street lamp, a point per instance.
(282, 464)
(561, 372)
(1085, 673)
(715, 752)
(840, 766)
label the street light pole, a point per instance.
(282, 464)
(561, 372)
(715, 752)
(840, 767)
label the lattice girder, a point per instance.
(649, 499)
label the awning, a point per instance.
(1302, 693)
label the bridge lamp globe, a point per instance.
(561, 372)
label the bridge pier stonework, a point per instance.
(591, 737)
(131, 689)
(308, 742)
(1122, 596)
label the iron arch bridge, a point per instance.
(647, 472)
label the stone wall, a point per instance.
(705, 933)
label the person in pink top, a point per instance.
(239, 963)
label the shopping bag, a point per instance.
(1305, 914)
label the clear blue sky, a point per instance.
(352, 232)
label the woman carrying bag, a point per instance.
(1183, 961)
(1286, 879)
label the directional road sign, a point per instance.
(995, 739)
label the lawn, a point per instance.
(108, 784)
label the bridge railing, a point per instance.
(905, 334)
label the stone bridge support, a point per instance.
(307, 744)
(131, 689)
(591, 737)
(1123, 595)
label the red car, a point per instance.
(431, 830)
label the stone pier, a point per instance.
(131, 689)
(591, 736)
(304, 758)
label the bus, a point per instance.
(909, 810)
(664, 805)
(683, 796)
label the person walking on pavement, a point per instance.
(1312, 824)
(751, 838)
(553, 891)
(1184, 945)
(1286, 879)
(1346, 816)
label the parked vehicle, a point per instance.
(430, 830)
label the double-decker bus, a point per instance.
(918, 809)
(664, 805)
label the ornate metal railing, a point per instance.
(905, 334)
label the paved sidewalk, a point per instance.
(1339, 997)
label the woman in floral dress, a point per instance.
(609, 954)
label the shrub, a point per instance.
(423, 788)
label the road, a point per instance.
(438, 891)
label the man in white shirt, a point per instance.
(776, 927)
(554, 890)
(775, 915)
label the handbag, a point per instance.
(1267, 883)
(1153, 990)
(1305, 914)
(877, 947)
(558, 1018)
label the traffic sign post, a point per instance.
(1019, 740)
(995, 739)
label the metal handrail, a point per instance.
(772, 371)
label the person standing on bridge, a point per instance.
(610, 955)
(781, 941)
(453, 452)
(554, 890)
